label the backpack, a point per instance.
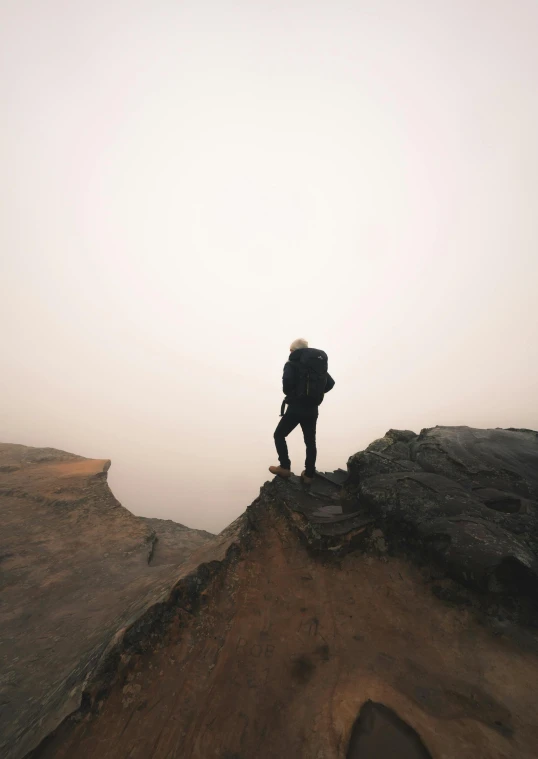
(311, 375)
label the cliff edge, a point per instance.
(390, 610)
(74, 570)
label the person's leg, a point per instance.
(308, 425)
(288, 423)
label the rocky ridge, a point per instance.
(391, 608)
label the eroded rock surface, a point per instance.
(466, 498)
(173, 541)
(73, 572)
(329, 624)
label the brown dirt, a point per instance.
(286, 650)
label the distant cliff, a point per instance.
(390, 611)
(75, 570)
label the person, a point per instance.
(305, 381)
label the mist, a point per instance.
(189, 186)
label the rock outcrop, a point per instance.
(74, 571)
(466, 498)
(389, 611)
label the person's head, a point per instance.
(299, 343)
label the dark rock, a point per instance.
(391, 453)
(471, 502)
(379, 733)
(506, 460)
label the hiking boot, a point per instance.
(280, 471)
(306, 480)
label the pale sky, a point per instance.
(189, 186)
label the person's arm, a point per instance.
(330, 383)
(288, 379)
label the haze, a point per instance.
(189, 186)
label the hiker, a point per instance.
(304, 382)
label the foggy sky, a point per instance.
(189, 186)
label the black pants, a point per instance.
(290, 420)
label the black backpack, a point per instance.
(311, 372)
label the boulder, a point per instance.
(466, 497)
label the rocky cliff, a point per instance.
(76, 569)
(390, 611)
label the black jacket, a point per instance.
(288, 383)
